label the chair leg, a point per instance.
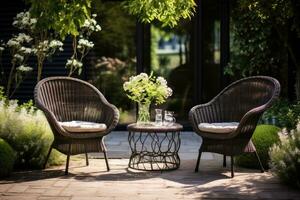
(224, 160)
(198, 160)
(261, 166)
(47, 158)
(104, 152)
(86, 156)
(106, 161)
(68, 159)
(232, 163)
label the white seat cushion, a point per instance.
(82, 126)
(224, 127)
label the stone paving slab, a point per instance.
(118, 146)
(93, 182)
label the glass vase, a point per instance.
(143, 113)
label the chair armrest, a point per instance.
(203, 113)
(52, 120)
(110, 116)
(249, 122)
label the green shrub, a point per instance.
(263, 138)
(285, 158)
(27, 131)
(285, 114)
(7, 158)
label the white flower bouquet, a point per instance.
(144, 90)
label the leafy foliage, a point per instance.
(263, 138)
(256, 46)
(285, 158)
(168, 12)
(7, 158)
(109, 75)
(117, 37)
(62, 16)
(285, 114)
(261, 39)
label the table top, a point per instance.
(153, 127)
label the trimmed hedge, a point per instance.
(263, 138)
(7, 158)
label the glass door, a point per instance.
(170, 58)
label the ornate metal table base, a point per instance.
(154, 148)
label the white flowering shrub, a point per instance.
(19, 48)
(27, 131)
(82, 47)
(43, 45)
(29, 42)
(285, 157)
(23, 21)
(146, 89)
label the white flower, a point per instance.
(169, 92)
(26, 50)
(55, 44)
(86, 23)
(43, 46)
(33, 21)
(98, 28)
(73, 62)
(22, 37)
(23, 20)
(126, 85)
(20, 15)
(85, 43)
(23, 68)
(143, 75)
(1, 49)
(91, 24)
(18, 57)
(13, 43)
(161, 80)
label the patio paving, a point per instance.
(93, 182)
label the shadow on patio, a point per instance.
(212, 182)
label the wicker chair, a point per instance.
(66, 99)
(243, 101)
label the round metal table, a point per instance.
(154, 148)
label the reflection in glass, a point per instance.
(170, 58)
(211, 78)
